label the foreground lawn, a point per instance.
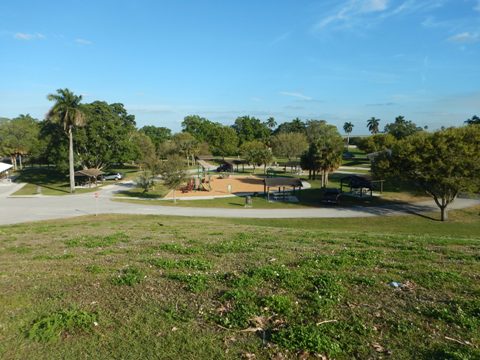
(137, 287)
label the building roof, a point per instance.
(4, 167)
(89, 172)
(282, 181)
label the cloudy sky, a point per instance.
(338, 60)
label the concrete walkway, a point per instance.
(23, 209)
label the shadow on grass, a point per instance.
(139, 194)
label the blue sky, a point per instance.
(342, 60)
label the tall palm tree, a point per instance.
(373, 125)
(67, 112)
(271, 123)
(348, 127)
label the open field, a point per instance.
(163, 287)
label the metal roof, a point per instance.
(89, 172)
(282, 181)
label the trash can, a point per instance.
(248, 201)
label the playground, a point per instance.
(219, 186)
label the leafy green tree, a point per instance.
(186, 145)
(402, 128)
(376, 143)
(67, 112)
(474, 120)
(296, 125)
(199, 127)
(250, 128)
(325, 150)
(158, 135)
(442, 164)
(145, 180)
(173, 173)
(373, 125)
(106, 137)
(256, 153)
(289, 145)
(19, 137)
(223, 141)
(166, 149)
(348, 128)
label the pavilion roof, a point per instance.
(89, 172)
(4, 167)
(282, 181)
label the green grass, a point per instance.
(158, 192)
(46, 181)
(116, 286)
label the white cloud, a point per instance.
(83, 41)
(374, 5)
(26, 36)
(465, 37)
(295, 95)
(280, 38)
(362, 13)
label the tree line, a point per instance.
(78, 135)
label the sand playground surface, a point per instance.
(220, 187)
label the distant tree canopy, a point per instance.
(402, 128)
(377, 142)
(19, 137)
(443, 163)
(250, 128)
(256, 153)
(222, 140)
(474, 120)
(200, 128)
(158, 135)
(289, 145)
(294, 126)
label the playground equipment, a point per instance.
(198, 183)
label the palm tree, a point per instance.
(66, 111)
(474, 120)
(373, 125)
(348, 127)
(271, 123)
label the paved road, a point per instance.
(23, 209)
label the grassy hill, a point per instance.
(136, 287)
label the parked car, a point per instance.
(112, 176)
(224, 168)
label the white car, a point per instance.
(112, 176)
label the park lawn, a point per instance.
(157, 192)
(46, 181)
(118, 286)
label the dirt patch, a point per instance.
(219, 187)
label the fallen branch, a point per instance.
(326, 322)
(466, 343)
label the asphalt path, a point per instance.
(14, 209)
